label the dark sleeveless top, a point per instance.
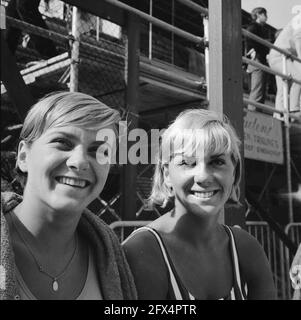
(176, 289)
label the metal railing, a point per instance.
(120, 226)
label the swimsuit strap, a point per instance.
(236, 291)
(173, 280)
(237, 278)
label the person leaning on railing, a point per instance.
(289, 39)
(257, 52)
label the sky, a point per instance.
(279, 11)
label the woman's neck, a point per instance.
(50, 230)
(196, 229)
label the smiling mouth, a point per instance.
(73, 182)
(204, 195)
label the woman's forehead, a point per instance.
(199, 152)
(79, 132)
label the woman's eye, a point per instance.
(63, 143)
(218, 162)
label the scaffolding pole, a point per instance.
(206, 37)
(150, 36)
(287, 139)
(194, 6)
(75, 49)
(157, 22)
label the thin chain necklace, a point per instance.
(55, 284)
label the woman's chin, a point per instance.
(204, 210)
(68, 204)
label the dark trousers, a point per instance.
(28, 11)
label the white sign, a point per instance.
(263, 138)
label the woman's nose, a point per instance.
(202, 173)
(78, 160)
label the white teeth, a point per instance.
(72, 182)
(204, 194)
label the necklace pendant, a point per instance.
(55, 285)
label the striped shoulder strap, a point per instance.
(235, 262)
(173, 280)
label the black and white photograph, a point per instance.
(150, 153)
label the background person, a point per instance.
(52, 246)
(187, 253)
(295, 274)
(288, 39)
(28, 11)
(257, 52)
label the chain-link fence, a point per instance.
(42, 36)
(60, 48)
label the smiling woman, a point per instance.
(186, 253)
(52, 246)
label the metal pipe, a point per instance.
(194, 6)
(245, 32)
(75, 49)
(36, 30)
(158, 22)
(150, 36)
(270, 45)
(274, 260)
(269, 70)
(3, 17)
(283, 274)
(206, 37)
(148, 68)
(269, 109)
(97, 28)
(59, 37)
(287, 139)
(172, 34)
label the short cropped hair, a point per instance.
(64, 108)
(256, 11)
(217, 136)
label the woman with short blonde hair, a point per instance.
(186, 253)
(52, 246)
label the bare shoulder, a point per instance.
(147, 265)
(244, 240)
(254, 265)
(141, 244)
(249, 249)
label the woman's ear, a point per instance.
(22, 156)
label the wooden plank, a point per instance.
(225, 76)
(16, 88)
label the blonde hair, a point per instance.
(66, 108)
(217, 136)
(63, 108)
